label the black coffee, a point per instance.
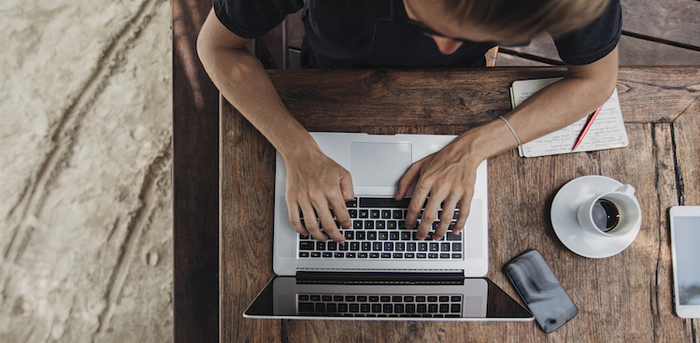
(605, 215)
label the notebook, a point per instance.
(606, 132)
(382, 271)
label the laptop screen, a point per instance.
(452, 299)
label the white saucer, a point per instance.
(571, 233)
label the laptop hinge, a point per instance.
(384, 278)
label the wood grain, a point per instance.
(195, 182)
(673, 20)
(626, 297)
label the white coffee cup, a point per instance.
(626, 205)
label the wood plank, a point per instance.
(673, 20)
(635, 51)
(506, 60)
(247, 207)
(195, 182)
(480, 95)
(687, 135)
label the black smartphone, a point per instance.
(541, 290)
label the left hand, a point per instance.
(446, 177)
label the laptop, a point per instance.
(383, 271)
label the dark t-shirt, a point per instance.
(361, 33)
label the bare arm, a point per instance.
(449, 174)
(314, 181)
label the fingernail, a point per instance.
(420, 238)
(437, 238)
(456, 232)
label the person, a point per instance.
(409, 33)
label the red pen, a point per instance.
(586, 127)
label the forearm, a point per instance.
(555, 107)
(243, 81)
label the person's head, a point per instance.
(501, 20)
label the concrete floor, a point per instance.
(85, 130)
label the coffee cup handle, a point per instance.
(627, 189)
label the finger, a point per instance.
(311, 223)
(464, 207)
(346, 187)
(415, 206)
(341, 212)
(327, 223)
(408, 178)
(448, 209)
(429, 215)
(295, 218)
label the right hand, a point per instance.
(316, 184)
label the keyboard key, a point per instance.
(432, 299)
(457, 256)
(388, 246)
(397, 255)
(364, 308)
(354, 307)
(420, 299)
(457, 247)
(374, 255)
(405, 236)
(410, 246)
(408, 299)
(444, 308)
(327, 254)
(400, 246)
(452, 237)
(366, 246)
(422, 246)
(373, 298)
(315, 298)
(432, 255)
(385, 298)
(306, 307)
(369, 224)
(339, 255)
(321, 246)
(338, 298)
(315, 254)
(344, 246)
(394, 236)
(386, 255)
(388, 308)
(398, 308)
(377, 246)
(374, 214)
(351, 203)
(420, 255)
(421, 308)
(360, 236)
(304, 254)
(355, 246)
(444, 298)
(381, 225)
(357, 224)
(303, 297)
(410, 308)
(433, 247)
(349, 298)
(331, 308)
(362, 255)
(402, 224)
(445, 247)
(350, 255)
(364, 214)
(455, 298)
(409, 255)
(376, 308)
(332, 246)
(343, 307)
(444, 255)
(306, 245)
(383, 235)
(352, 213)
(326, 298)
(432, 308)
(391, 224)
(397, 214)
(362, 298)
(372, 236)
(349, 235)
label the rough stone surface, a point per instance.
(85, 216)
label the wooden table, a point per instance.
(626, 297)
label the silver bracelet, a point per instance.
(511, 130)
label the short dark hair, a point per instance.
(524, 19)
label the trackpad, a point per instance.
(379, 164)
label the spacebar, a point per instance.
(384, 202)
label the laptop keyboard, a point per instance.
(379, 232)
(368, 305)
